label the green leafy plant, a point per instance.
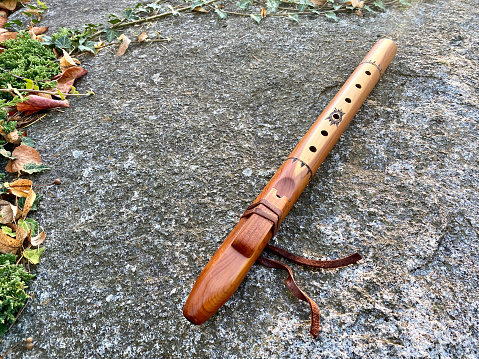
(26, 59)
(13, 279)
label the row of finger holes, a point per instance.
(336, 116)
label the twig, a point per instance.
(31, 123)
(46, 92)
(149, 18)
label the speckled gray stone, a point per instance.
(157, 167)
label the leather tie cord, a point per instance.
(293, 287)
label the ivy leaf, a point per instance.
(8, 231)
(30, 225)
(331, 15)
(34, 168)
(244, 4)
(63, 42)
(47, 40)
(405, 2)
(272, 5)
(153, 6)
(369, 9)
(114, 21)
(6, 153)
(303, 5)
(256, 17)
(130, 14)
(27, 141)
(111, 34)
(379, 4)
(294, 17)
(21, 202)
(88, 46)
(197, 3)
(11, 23)
(33, 255)
(221, 14)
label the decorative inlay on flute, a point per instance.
(378, 66)
(294, 159)
(229, 265)
(336, 117)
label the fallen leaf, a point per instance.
(36, 103)
(37, 30)
(358, 12)
(318, 2)
(11, 137)
(28, 202)
(7, 36)
(67, 78)
(125, 42)
(21, 233)
(23, 155)
(19, 188)
(200, 9)
(8, 4)
(263, 12)
(37, 240)
(6, 212)
(9, 244)
(3, 18)
(143, 36)
(357, 3)
(33, 255)
(34, 12)
(66, 61)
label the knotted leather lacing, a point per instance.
(293, 287)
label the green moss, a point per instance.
(12, 289)
(27, 58)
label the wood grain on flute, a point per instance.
(232, 261)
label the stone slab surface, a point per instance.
(180, 137)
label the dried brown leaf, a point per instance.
(23, 155)
(9, 244)
(318, 2)
(67, 61)
(28, 202)
(200, 9)
(11, 137)
(263, 12)
(125, 42)
(21, 233)
(34, 12)
(8, 4)
(39, 239)
(19, 188)
(68, 77)
(37, 30)
(3, 18)
(143, 36)
(6, 212)
(357, 3)
(7, 36)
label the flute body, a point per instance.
(259, 223)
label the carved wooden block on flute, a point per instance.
(259, 223)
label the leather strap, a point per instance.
(293, 287)
(255, 208)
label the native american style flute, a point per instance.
(259, 223)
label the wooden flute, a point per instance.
(259, 223)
